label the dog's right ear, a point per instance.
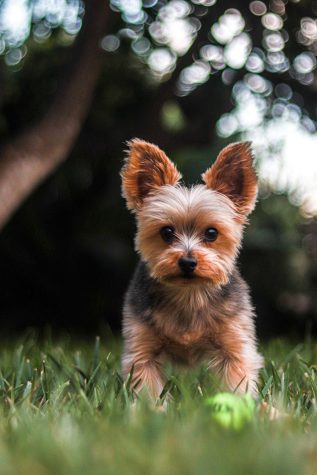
(146, 169)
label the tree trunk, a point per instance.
(30, 157)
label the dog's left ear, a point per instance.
(233, 175)
(146, 169)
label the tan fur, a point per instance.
(197, 319)
(232, 174)
(146, 168)
(141, 356)
(229, 349)
(181, 207)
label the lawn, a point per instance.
(65, 410)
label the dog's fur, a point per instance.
(166, 314)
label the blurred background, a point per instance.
(78, 79)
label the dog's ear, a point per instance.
(146, 168)
(233, 175)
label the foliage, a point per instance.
(266, 48)
(67, 410)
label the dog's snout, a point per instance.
(187, 264)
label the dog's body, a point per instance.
(187, 301)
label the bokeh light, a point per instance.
(15, 22)
(229, 25)
(258, 8)
(273, 41)
(162, 61)
(304, 63)
(271, 21)
(110, 43)
(237, 51)
(172, 27)
(17, 17)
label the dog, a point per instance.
(187, 302)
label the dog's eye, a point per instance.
(167, 233)
(211, 234)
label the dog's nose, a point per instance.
(187, 264)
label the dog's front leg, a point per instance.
(235, 358)
(234, 374)
(141, 358)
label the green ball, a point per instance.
(230, 410)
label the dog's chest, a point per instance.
(187, 348)
(186, 339)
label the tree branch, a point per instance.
(29, 158)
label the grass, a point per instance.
(64, 409)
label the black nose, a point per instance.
(187, 264)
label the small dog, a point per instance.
(187, 301)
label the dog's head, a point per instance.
(189, 236)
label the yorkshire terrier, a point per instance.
(187, 301)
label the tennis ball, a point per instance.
(230, 410)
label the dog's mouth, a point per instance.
(188, 276)
(185, 279)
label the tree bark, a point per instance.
(36, 152)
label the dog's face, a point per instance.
(189, 236)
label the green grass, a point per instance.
(65, 410)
